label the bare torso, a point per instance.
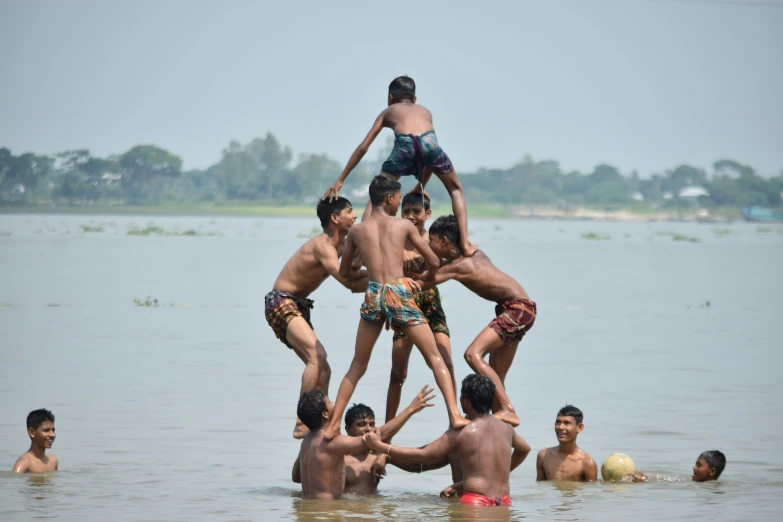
(304, 273)
(484, 279)
(323, 473)
(561, 466)
(30, 463)
(381, 241)
(359, 478)
(408, 118)
(484, 447)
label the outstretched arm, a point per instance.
(447, 272)
(521, 451)
(355, 281)
(357, 156)
(421, 467)
(433, 451)
(421, 401)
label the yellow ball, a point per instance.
(617, 466)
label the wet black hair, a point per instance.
(311, 405)
(571, 411)
(403, 88)
(326, 209)
(380, 187)
(37, 417)
(714, 459)
(358, 411)
(416, 200)
(480, 391)
(446, 226)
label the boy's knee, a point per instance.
(472, 358)
(398, 374)
(358, 369)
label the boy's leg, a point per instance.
(422, 337)
(489, 341)
(500, 360)
(366, 336)
(401, 354)
(454, 188)
(443, 342)
(309, 349)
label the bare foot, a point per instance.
(331, 431)
(460, 422)
(507, 416)
(418, 189)
(469, 249)
(300, 431)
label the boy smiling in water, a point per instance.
(416, 151)
(40, 429)
(566, 461)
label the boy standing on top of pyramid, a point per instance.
(416, 152)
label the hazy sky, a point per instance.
(638, 84)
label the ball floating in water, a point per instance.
(617, 466)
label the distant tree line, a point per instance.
(264, 171)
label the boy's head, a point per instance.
(359, 419)
(314, 409)
(568, 423)
(445, 238)
(40, 428)
(338, 212)
(402, 88)
(416, 209)
(385, 192)
(478, 391)
(709, 466)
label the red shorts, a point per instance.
(514, 319)
(474, 499)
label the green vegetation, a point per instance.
(722, 232)
(312, 233)
(5, 233)
(593, 236)
(682, 237)
(147, 303)
(149, 231)
(88, 228)
(764, 230)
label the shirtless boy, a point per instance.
(416, 209)
(287, 306)
(380, 241)
(484, 448)
(709, 466)
(416, 151)
(40, 429)
(515, 312)
(321, 465)
(566, 461)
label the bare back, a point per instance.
(323, 472)
(381, 244)
(304, 272)
(408, 118)
(484, 279)
(484, 448)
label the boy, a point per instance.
(320, 466)
(708, 467)
(484, 448)
(287, 307)
(416, 209)
(416, 151)
(389, 298)
(566, 461)
(515, 312)
(40, 429)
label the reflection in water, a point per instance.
(569, 490)
(458, 512)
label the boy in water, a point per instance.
(484, 448)
(321, 465)
(416, 151)
(515, 312)
(709, 466)
(287, 307)
(416, 209)
(566, 461)
(389, 298)
(40, 429)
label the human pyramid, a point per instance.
(403, 264)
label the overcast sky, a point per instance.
(640, 84)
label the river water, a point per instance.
(184, 411)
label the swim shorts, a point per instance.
(393, 303)
(513, 319)
(475, 499)
(281, 307)
(428, 302)
(411, 153)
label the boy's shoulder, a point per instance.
(23, 463)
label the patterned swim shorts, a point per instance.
(429, 303)
(514, 319)
(393, 303)
(281, 307)
(411, 153)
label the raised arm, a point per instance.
(433, 451)
(357, 156)
(421, 246)
(327, 256)
(421, 401)
(540, 471)
(521, 450)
